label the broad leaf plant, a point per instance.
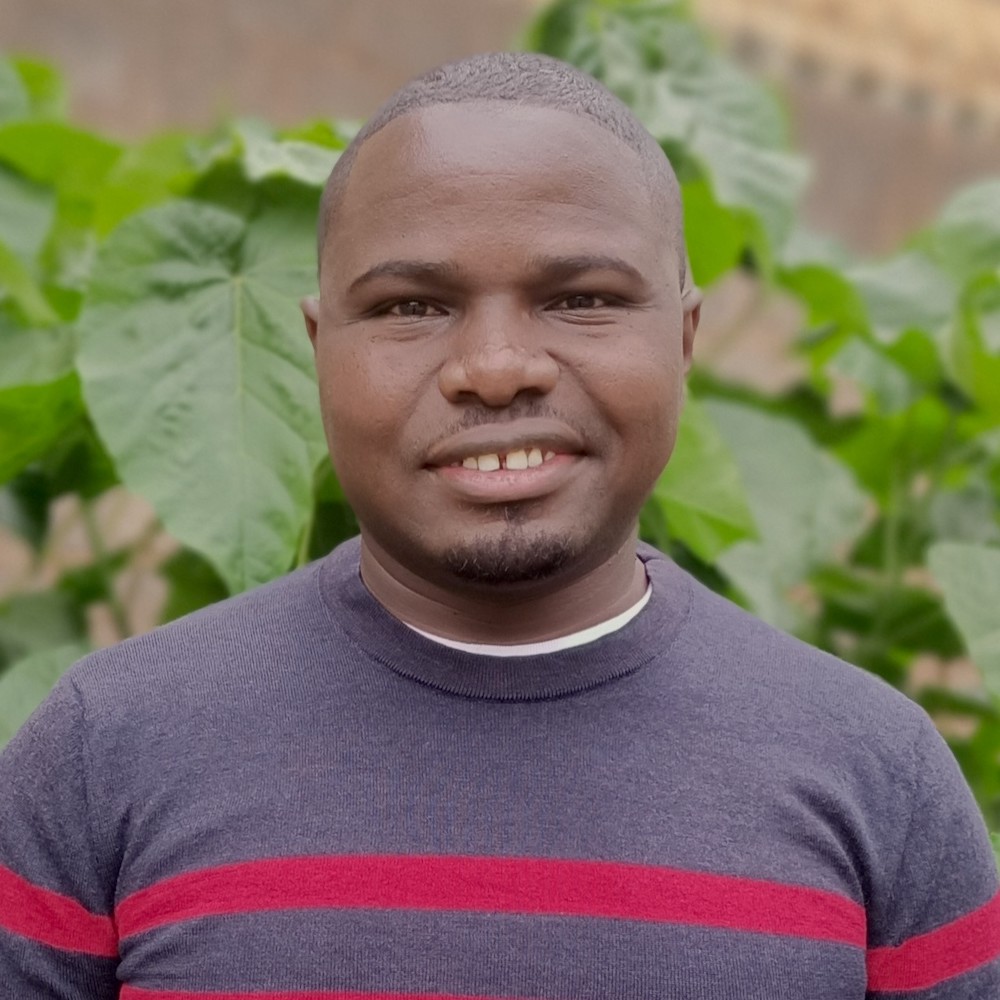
(150, 340)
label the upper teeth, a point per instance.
(522, 458)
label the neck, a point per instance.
(521, 614)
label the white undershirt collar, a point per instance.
(570, 641)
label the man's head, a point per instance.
(502, 283)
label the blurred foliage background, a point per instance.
(158, 413)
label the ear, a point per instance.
(691, 301)
(310, 313)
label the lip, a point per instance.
(508, 486)
(501, 439)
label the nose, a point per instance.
(497, 353)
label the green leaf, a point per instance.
(144, 175)
(26, 684)
(296, 160)
(333, 521)
(31, 623)
(71, 160)
(727, 121)
(974, 368)
(27, 211)
(17, 286)
(24, 508)
(807, 248)
(977, 705)
(969, 576)
(905, 292)
(78, 463)
(199, 381)
(806, 506)
(886, 386)
(765, 180)
(715, 236)
(885, 618)
(965, 240)
(14, 101)
(33, 357)
(888, 450)
(75, 164)
(193, 584)
(75, 462)
(830, 298)
(261, 156)
(32, 418)
(39, 393)
(659, 62)
(93, 583)
(919, 355)
(967, 514)
(700, 492)
(979, 758)
(44, 87)
(331, 135)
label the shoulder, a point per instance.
(827, 739)
(750, 669)
(215, 652)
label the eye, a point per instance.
(413, 309)
(580, 301)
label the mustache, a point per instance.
(478, 415)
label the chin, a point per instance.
(512, 559)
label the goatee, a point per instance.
(512, 559)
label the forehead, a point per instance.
(491, 136)
(432, 175)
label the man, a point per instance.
(494, 748)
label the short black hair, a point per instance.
(520, 79)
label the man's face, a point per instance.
(500, 343)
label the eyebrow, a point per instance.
(561, 268)
(547, 269)
(415, 270)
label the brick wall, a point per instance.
(137, 66)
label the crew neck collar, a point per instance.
(543, 647)
(380, 636)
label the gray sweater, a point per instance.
(291, 794)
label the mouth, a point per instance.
(504, 463)
(530, 457)
(517, 445)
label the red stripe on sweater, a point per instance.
(924, 961)
(52, 919)
(139, 993)
(497, 885)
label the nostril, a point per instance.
(496, 373)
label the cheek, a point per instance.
(367, 398)
(644, 390)
(349, 403)
(645, 420)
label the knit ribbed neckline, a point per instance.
(381, 637)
